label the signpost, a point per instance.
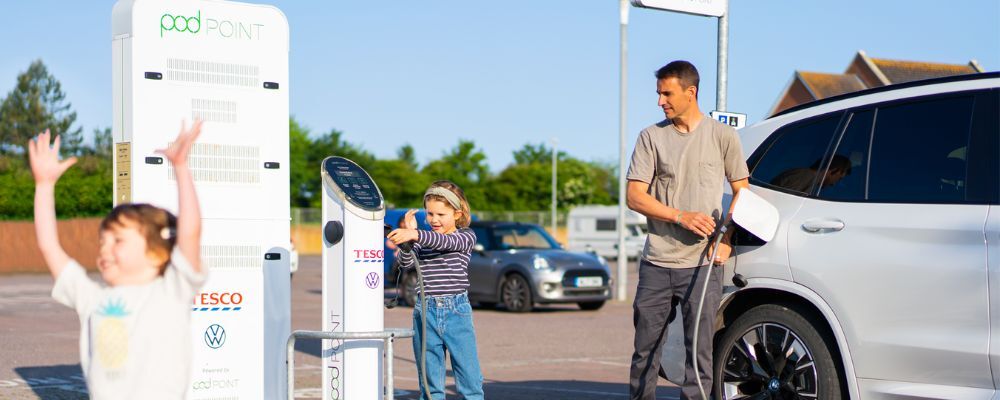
(735, 120)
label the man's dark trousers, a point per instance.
(659, 291)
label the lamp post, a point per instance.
(622, 279)
(555, 155)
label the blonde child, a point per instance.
(134, 330)
(443, 253)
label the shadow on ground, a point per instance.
(56, 382)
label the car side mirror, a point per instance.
(479, 248)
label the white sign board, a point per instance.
(735, 120)
(709, 8)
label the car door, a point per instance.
(482, 267)
(987, 120)
(891, 238)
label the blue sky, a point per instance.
(506, 73)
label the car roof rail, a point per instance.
(887, 88)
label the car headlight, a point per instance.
(540, 262)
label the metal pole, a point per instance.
(554, 199)
(722, 79)
(389, 384)
(622, 280)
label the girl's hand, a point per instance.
(178, 151)
(409, 220)
(44, 160)
(403, 235)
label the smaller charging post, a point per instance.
(353, 215)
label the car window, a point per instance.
(919, 151)
(523, 237)
(984, 150)
(846, 172)
(794, 154)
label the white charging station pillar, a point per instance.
(353, 214)
(225, 63)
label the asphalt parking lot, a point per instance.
(555, 352)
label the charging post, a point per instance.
(353, 215)
(225, 63)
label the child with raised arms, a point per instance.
(135, 340)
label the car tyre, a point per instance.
(591, 305)
(516, 294)
(778, 335)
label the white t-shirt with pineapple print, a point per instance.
(135, 340)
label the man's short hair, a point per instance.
(684, 71)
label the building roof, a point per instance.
(862, 73)
(897, 71)
(822, 85)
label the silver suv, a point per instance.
(883, 280)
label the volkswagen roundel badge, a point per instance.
(372, 280)
(215, 336)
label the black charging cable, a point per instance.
(408, 247)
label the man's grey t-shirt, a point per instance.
(685, 171)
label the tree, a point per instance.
(103, 144)
(534, 154)
(304, 180)
(35, 104)
(466, 167)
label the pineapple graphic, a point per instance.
(111, 341)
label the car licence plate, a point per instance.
(588, 281)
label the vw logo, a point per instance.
(215, 336)
(372, 280)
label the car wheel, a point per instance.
(410, 289)
(591, 305)
(775, 352)
(516, 294)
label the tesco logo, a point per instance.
(369, 254)
(216, 298)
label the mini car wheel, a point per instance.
(516, 294)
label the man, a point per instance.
(676, 181)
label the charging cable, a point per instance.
(701, 304)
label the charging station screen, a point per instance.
(354, 182)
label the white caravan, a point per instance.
(595, 228)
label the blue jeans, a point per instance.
(449, 329)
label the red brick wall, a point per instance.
(19, 250)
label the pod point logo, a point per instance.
(215, 336)
(213, 27)
(180, 23)
(372, 280)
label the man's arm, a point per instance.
(188, 211)
(639, 200)
(46, 169)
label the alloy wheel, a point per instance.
(769, 361)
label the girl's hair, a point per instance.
(157, 225)
(466, 218)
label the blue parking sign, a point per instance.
(724, 119)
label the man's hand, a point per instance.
(701, 224)
(44, 159)
(403, 235)
(725, 250)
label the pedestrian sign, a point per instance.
(735, 120)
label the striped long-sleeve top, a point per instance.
(444, 260)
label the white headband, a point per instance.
(447, 194)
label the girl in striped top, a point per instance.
(443, 253)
